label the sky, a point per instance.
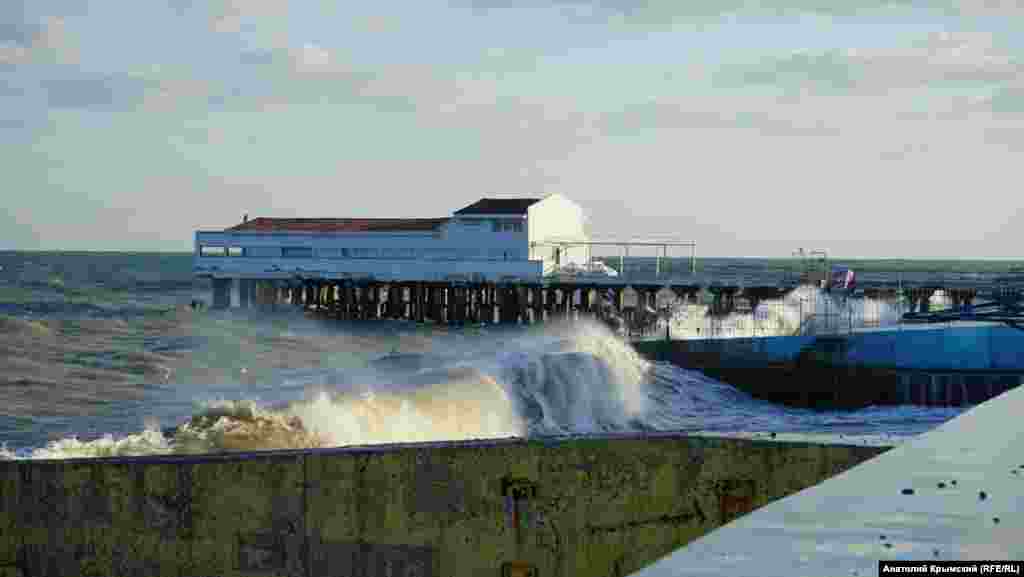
(882, 130)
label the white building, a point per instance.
(489, 240)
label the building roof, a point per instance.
(328, 225)
(498, 206)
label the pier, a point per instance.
(527, 302)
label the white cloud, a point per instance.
(12, 53)
(229, 15)
(50, 42)
(942, 56)
(311, 58)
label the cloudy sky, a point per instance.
(889, 130)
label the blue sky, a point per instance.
(892, 129)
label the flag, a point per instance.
(843, 278)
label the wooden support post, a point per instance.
(493, 304)
(435, 305)
(503, 305)
(420, 299)
(537, 298)
(364, 302)
(449, 304)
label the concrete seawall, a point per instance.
(935, 367)
(595, 506)
(953, 493)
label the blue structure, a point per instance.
(948, 366)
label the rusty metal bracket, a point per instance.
(518, 569)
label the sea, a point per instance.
(102, 355)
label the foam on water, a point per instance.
(562, 379)
(806, 308)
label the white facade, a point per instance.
(473, 247)
(557, 219)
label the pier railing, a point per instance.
(662, 257)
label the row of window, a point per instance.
(361, 252)
(497, 225)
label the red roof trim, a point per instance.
(264, 224)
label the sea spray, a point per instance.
(806, 309)
(562, 378)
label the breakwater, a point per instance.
(603, 505)
(949, 366)
(953, 493)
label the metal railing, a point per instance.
(661, 258)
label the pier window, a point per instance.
(263, 251)
(400, 253)
(363, 252)
(297, 252)
(500, 225)
(207, 250)
(439, 254)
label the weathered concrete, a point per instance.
(568, 507)
(953, 366)
(956, 492)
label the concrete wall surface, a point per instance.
(569, 507)
(956, 492)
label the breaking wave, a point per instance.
(806, 309)
(574, 378)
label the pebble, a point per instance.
(995, 520)
(882, 537)
(941, 485)
(907, 491)
(935, 552)
(982, 495)
(773, 435)
(888, 545)
(953, 481)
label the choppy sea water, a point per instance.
(101, 355)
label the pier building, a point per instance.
(498, 259)
(485, 241)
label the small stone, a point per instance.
(888, 545)
(935, 552)
(773, 435)
(995, 520)
(882, 537)
(907, 491)
(953, 481)
(941, 485)
(982, 495)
